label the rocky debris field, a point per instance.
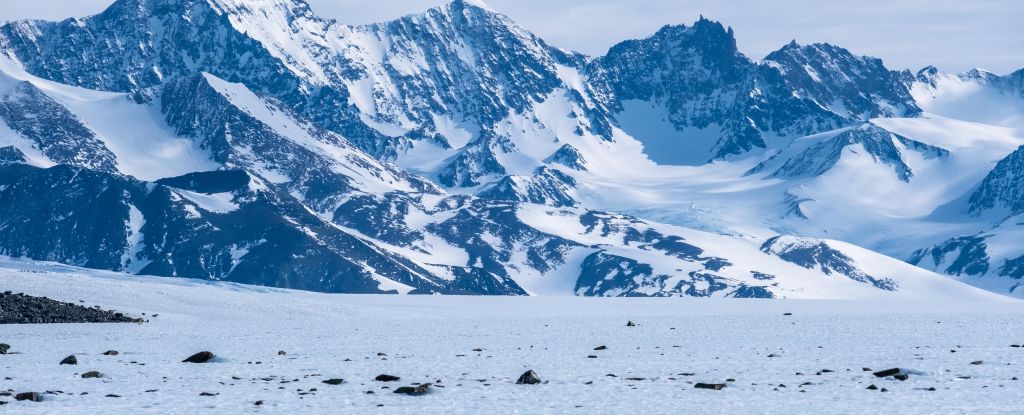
(26, 309)
(231, 349)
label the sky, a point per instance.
(954, 35)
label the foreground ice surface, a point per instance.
(431, 339)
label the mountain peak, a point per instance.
(479, 4)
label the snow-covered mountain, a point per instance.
(453, 151)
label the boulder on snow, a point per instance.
(334, 381)
(201, 357)
(70, 360)
(528, 378)
(29, 396)
(414, 390)
(4, 347)
(887, 372)
(712, 386)
(386, 378)
(91, 375)
(601, 348)
(630, 323)
(111, 353)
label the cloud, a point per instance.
(954, 35)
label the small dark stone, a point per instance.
(28, 396)
(111, 353)
(4, 347)
(334, 381)
(528, 378)
(901, 376)
(601, 348)
(70, 360)
(208, 394)
(977, 362)
(113, 396)
(258, 403)
(787, 314)
(712, 386)
(773, 355)
(478, 350)
(281, 353)
(590, 356)
(414, 390)
(201, 357)
(630, 323)
(91, 374)
(887, 372)
(1015, 345)
(386, 378)
(873, 387)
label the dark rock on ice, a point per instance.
(201, 357)
(887, 372)
(528, 378)
(414, 390)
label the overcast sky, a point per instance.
(955, 35)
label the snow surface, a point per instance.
(431, 339)
(144, 145)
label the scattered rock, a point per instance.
(208, 394)
(201, 357)
(334, 381)
(887, 372)
(113, 396)
(787, 314)
(28, 396)
(977, 362)
(386, 378)
(901, 376)
(70, 360)
(773, 355)
(414, 390)
(111, 353)
(91, 374)
(282, 353)
(528, 378)
(4, 347)
(26, 309)
(872, 387)
(712, 386)
(258, 403)
(590, 356)
(630, 323)
(601, 348)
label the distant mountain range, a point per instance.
(455, 152)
